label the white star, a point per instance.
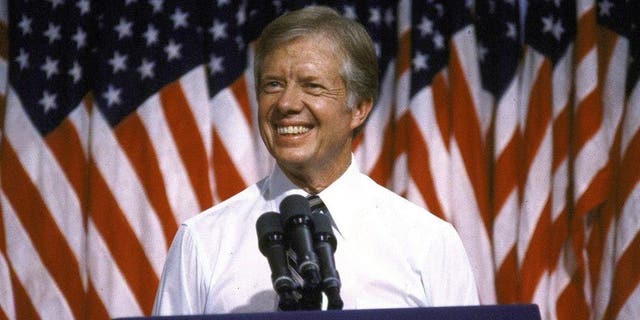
(55, 3)
(118, 62)
(374, 16)
(438, 41)
(547, 24)
(112, 96)
(151, 35)
(53, 33)
(84, 6)
(482, 52)
(179, 19)
(76, 72)
(440, 9)
(239, 42)
(80, 38)
(128, 2)
(48, 101)
(218, 30)
(425, 27)
(50, 67)
(146, 69)
(222, 3)
(25, 25)
(23, 59)
(389, 18)
(511, 31)
(605, 8)
(350, 12)
(123, 28)
(241, 16)
(173, 50)
(157, 5)
(558, 30)
(215, 64)
(377, 49)
(420, 61)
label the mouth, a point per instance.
(292, 130)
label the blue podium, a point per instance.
(485, 312)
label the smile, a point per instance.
(292, 130)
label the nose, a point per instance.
(290, 100)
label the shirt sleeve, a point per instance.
(449, 279)
(181, 289)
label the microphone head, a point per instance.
(322, 228)
(268, 224)
(294, 205)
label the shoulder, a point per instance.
(231, 211)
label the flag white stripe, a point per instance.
(560, 184)
(425, 118)
(370, 149)
(235, 133)
(631, 125)
(179, 190)
(6, 288)
(107, 280)
(505, 228)
(467, 219)
(631, 308)
(194, 87)
(42, 290)
(586, 79)
(561, 83)
(123, 183)
(42, 168)
(629, 224)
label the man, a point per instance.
(316, 81)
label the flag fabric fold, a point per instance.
(516, 121)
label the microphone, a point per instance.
(325, 245)
(272, 246)
(296, 217)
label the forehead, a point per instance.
(310, 53)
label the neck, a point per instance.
(314, 180)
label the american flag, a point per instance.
(517, 121)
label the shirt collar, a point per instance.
(341, 197)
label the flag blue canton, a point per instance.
(498, 34)
(141, 47)
(49, 57)
(226, 43)
(550, 26)
(430, 34)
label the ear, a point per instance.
(360, 113)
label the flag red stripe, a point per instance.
(188, 140)
(403, 60)
(417, 157)
(630, 175)
(121, 240)
(535, 259)
(588, 119)
(66, 147)
(95, 307)
(507, 172)
(382, 167)
(571, 304)
(468, 134)
(441, 106)
(54, 251)
(135, 141)
(626, 278)
(228, 180)
(22, 303)
(538, 115)
(239, 89)
(507, 284)
(585, 40)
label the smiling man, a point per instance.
(316, 81)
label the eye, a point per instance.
(270, 86)
(313, 87)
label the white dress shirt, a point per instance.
(390, 253)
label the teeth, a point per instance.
(292, 130)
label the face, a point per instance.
(303, 115)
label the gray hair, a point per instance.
(359, 69)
